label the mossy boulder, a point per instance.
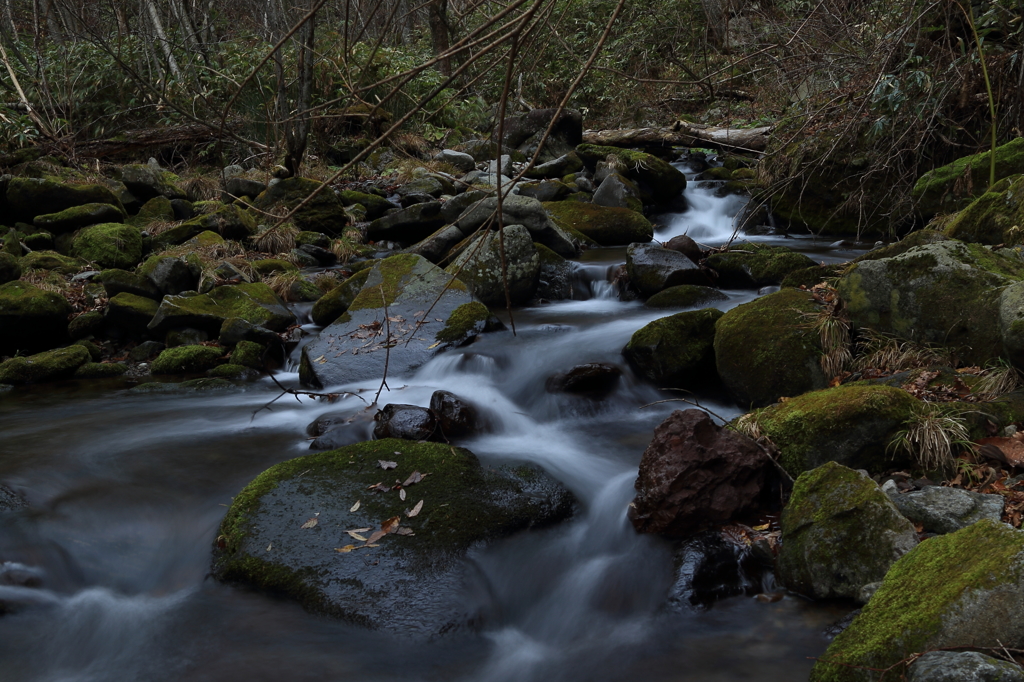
(653, 268)
(657, 179)
(375, 206)
(130, 313)
(943, 190)
(354, 346)
(964, 589)
(249, 354)
(50, 260)
(149, 181)
(47, 366)
(519, 210)
(676, 351)
(156, 209)
(839, 533)
(116, 281)
(407, 583)
(325, 213)
(480, 266)
(408, 225)
(100, 370)
(995, 217)
(31, 197)
(109, 245)
(10, 269)
(335, 302)
(606, 225)
(751, 265)
(255, 303)
(230, 222)
(909, 241)
(766, 349)
(947, 293)
(77, 217)
(270, 266)
(852, 425)
(812, 275)
(187, 359)
(685, 296)
(31, 319)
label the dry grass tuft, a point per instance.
(281, 283)
(931, 436)
(201, 188)
(880, 351)
(156, 227)
(998, 381)
(327, 281)
(280, 239)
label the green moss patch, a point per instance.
(605, 225)
(676, 351)
(109, 245)
(49, 366)
(187, 359)
(935, 191)
(755, 265)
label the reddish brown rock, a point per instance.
(695, 475)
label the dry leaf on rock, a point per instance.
(415, 510)
(355, 507)
(391, 525)
(387, 465)
(414, 477)
(312, 521)
(1010, 449)
(404, 530)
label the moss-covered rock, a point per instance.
(964, 589)
(86, 324)
(255, 303)
(109, 245)
(249, 354)
(149, 181)
(187, 359)
(851, 425)
(100, 370)
(676, 351)
(47, 366)
(130, 313)
(375, 206)
(325, 213)
(10, 269)
(995, 217)
(77, 217)
(230, 222)
(606, 225)
(652, 268)
(479, 266)
(31, 197)
(31, 319)
(658, 180)
(200, 385)
(839, 533)
(815, 274)
(116, 281)
(766, 349)
(414, 580)
(749, 264)
(233, 372)
(335, 302)
(946, 293)
(915, 238)
(942, 191)
(50, 260)
(313, 239)
(685, 296)
(156, 209)
(268, 266)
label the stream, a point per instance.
(127, 492)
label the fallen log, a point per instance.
(132, 142)
(684, 134)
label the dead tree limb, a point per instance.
(684, 134)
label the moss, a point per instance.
(658, 180)
(94, 351)
(815, 274)
(916, 238)
(50, 260)
(233, 372)
(386, 280)
(465, 319)
(100, 370)
(29, 197)
(313, 238)
(676, 351)
(852, 425)
(547, 256)
(207, 239)
(187, 359)
(249, 354)
(203, 385)
(255, 303)
(605, 225)
(334, 303)
(721, 173)
(10, 269)
(110, 245)
(685, 296)
(269, 266)
(934, 192)
(116, 281)
(80, 216)
(48, 366)
(924, 590)
(324, 213)
(750, 264)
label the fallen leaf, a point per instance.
(355, 536)
(414, 477)
(401, 494)
(346, 548)
(379, 487)
(355, 507)
(404, 530)
(270, 546)
(433, 345)
(312, 521)
(376, 536)
(391, 525)
(386, 465)
(415, 510)
(1007, 450)
(762, 527)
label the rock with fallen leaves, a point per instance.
(387, 544)
(407, 311)
(964, 589)
(945, 510)
(694, 475)
(839, 533)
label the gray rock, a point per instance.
(616, 190)
(426, 184)
(172, 276)
(409, 422)
(490, 180)
(653, 268)
(480, 150)
(408, 225)
(519, 210)
(455, 417)
(504, 166)
(118, 281)
(962, 666)
(145, 351)
(322, 256)
(434, 247)
(244, 187)
(458, 160)
(480, 266)
(945, 510)
(525, 132)
(867, 591)
(545, 190)
(146, 182)
(556, 275)
(557, 168)
(10, 500)
(457, 205)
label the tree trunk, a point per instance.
(684, 134)
(437, 17)
(161, 36)
(297, 130)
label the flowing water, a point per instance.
(127, 492)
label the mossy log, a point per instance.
(683, 134)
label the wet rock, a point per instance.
(460, 161)
(31, 319)
(765, 349)
(375, 206)
(190, 359)
(77, 217)
(557, 168)
(945, 510)
(325, 213)
(10, 500)
(480, 266)
(335, 302)
(409, 225)
(555, 280)
(685, 296)
(109, 245)
(652, 268)
(617, 191)
(751, 265)
(455, 417)
(338, 429)
(676, 351)
(47, 366)
(409, 422)
(203, 385)
(593, 380)
(545, 190)
(657, 180)
(962, 666)
(686, 246)
(255, 303)
(694, 475)
(436, 246)
(839, 533)
(715, 565)
(268, 541)
(963, 589)
(519, 210)
(525, 132)
(352, 348)
(608, 226)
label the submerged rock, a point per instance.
(593, 380)
(286, 530)
(694, 475)
(839, 533)
(455, 417)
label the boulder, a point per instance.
(171, 275)
(946, 293)
(375, 206)
(457, 205)
(191, 359)
(594, 380)
(50, 260)
(480, 150)
(255, 303)
(353, 347)
(10, 269)
(409, 422)
(31, 319)
(676, 351)
(556, 168)
(460, 161)
(408, 225)
(545, 190)
(852, 425)
(657, 180)
(455, 417)
(117, 281)
(608, 226)
(130, 313)
(685, 296)
(962, 666)
(556, 275)
(76, 217)
(86, 324)
(282, 531)
(325, 213)
(244, 187)
(335, 302)
(942, 190)
(653, 268)
(946, 510)
(109, 245)
(31, 197)
(750, 265)
(100, 370)
(436, 246)
(524, 133)
(685, 245)
(50, 365)
(994, 217)
(518, 210)
(480, 266)
(430, 185)
(839, 533)
(964, 589)
(149, 180)
(695, 475)
(617, 191)
(765, 349)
